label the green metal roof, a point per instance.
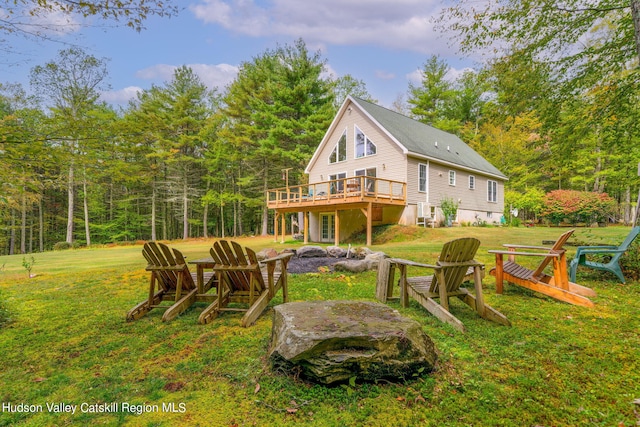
(421, 140)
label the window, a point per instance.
(422, 178)
(339, 153)
(368, 182)
(492, 191)
(327, 227)
(452, 177)
(364, 146)
(472, 182)
(337, 182)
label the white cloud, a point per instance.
(50, 23)
(214, 76)
(401, 24)
(385, 75)
(121, 96)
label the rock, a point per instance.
(332, 341)
(352, 266)
(360, 253)
(266, 254)
(373, 259)
(311, 252)
(336, 252)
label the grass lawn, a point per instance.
(69, 344)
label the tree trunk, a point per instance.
(205, 215)
(185, 210)
(265, 210)
(41, 223)
(153, 211)
(23, 226)
(70, 202)
(85, 203)
(12, 238)
(222, 220)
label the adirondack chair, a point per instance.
(556, 285)
(242, 280)
(612, 266)
(170, 281)
(452, 268)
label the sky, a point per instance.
(383, 43)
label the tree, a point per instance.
(72, 85)
(348, 85)
(584, 42)
(17, 14)
(278, 109)
(431, 98)
(169, 120)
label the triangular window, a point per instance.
(364, 146)
(339, 153)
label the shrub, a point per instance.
(62, 246)
(449, 208)
(577, 207)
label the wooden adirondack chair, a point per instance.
(612, 266)
(170, 281)
(453, 267)
(242, 280)
(557, 285)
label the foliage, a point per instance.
(28, 263)
(585, 44)
(575, 207)
(529, 203)
(62, 246)
(449, 208)
(132, 13)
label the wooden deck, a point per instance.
(362, 193)
(346, 191)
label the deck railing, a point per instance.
(343, 190)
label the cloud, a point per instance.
(121, 96)
(54, 22)
(385, 75)
(214, 76)
(401, 24)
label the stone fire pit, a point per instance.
(332, 341)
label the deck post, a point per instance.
(284, 225)
(305, 229)
(336, 234)
(275, 226)
(369, 222)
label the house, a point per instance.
(375, 166)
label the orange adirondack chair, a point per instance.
(556, 285)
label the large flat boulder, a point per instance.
(332, 341)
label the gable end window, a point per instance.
(339, 153)
(472, 182)
(492, 191)
(452, 178)
(364, 146)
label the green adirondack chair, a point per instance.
(612, 266)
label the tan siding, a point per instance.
(389, 160)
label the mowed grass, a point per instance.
(558, 365)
